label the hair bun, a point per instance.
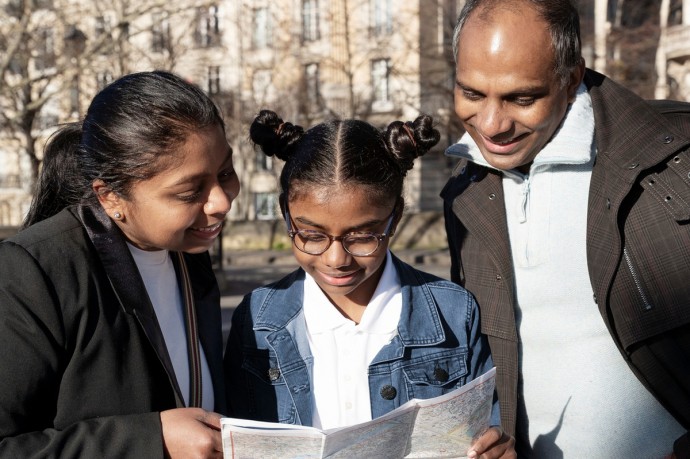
(409, 140)
(274, 136)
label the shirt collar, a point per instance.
(571, 143)
(381, 315)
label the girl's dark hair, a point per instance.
(348, 152)
(129, 134)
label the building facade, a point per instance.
(308, 60)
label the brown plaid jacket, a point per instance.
(638, 245)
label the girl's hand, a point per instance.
(191, 433)
(494, 443)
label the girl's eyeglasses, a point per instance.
(358, 244)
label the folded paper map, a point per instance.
(440, 427)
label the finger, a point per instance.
(485, 442)
(217, 441)
(211, 419)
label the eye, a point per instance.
(227, 174)
(524, 101)
(190, 196)
(470, 95)
(360, 238)
(312, 236)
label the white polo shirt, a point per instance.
(343, 350)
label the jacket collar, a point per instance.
(126, 282)
(420, 323)
(655, 139)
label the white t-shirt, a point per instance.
(158, 272)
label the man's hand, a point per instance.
(191, 433)
(494, 443)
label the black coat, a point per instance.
(84, 367)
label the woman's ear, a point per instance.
(110, 200)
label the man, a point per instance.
(568, 217)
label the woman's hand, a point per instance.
(494, 443)
(191, 433)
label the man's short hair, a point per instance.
(560, 15)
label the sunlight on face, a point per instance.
(183, 207)
(345, 279)
(507, 94)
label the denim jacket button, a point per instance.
(388, 392)
(273, 374)
(441, 375)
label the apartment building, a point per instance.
(308, 60)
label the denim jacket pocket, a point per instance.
(434, 375)
(264, 365)
(270, 394)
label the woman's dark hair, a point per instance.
(560, 15)
(348, 152)
(129, 134)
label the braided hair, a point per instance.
(344, 152)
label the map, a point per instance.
(439, 427)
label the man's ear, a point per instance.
(576, 77)
(110, 200)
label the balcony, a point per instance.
(677, 42)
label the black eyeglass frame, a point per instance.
(378, 236)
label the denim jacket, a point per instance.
(268, 363)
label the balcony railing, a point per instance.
(9, 181)
(677, 42)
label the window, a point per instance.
(45, 50)
(311, 82)
(160, 33)
(48, 116)
(208, 27)
(381, 17)
(74, 107)
(103, 28)
(213, 80)
(263, 161)
(103, 79)
(262, 33)
(310, 20)
(266, 206)
(379, 79)
(262, 86)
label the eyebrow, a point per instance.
(192, 177)
(525, 91)
(306, 221)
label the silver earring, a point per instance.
(117, 215)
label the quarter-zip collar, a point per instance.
(570, 144)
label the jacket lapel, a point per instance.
(281, 314)
(127, 283)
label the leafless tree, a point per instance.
(51, 45)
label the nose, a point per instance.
(219, 200)
(493, 120)
(336, 255)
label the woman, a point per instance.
(110, 343)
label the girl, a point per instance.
(110, 343)
(355, 332)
